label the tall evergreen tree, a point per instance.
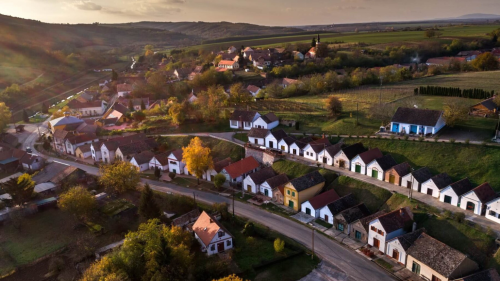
(313, 43)
(143, 106)
(114, 75)
(45, 108)
(147, 206)
(130, 105)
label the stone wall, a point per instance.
(265, 157)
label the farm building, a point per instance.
(434, 185)
(395, 174)
(378, 167)
(417, 121)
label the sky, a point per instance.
(264, 12)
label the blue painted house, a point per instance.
(417, 121)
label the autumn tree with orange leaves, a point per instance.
(197, 158)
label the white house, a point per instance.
(434, 185)
(124, 89)
(312, 149)
(72, 143)
(397, 247)
(218, 166)
(253, 90)
(417, 121)
(270, 185)
(160, 161)
(288, 81)
(493, 210)
(343, 158)
(212, 236)
(229, 64)
(476, 199)
(297, 148)
(83, 151)
(361, 161)
(326, 155)
(231, 50)
(416, 178)
(313, 206)
(95, 149)
(175, 164)
(376, 168)
(285, 143)
(452, 194)
(257, 136)
(241, 119)
(388, 226)
(141, 160)
(236, 172)
(273, 138)
(252, 182)
(268, 121)
(90, 108)
(328, 212)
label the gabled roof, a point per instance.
(386, 162)
(342, 204)
(206, 227)
(75, 104)
(422, 175)
(62, 134)
(485, 193)
(261, 176)
(270, 118)
(241, 167)
(81, 138)
(486, 275)
(407, 239)
(354, 213)
(366, 220)
(84, 148)
(319, 144)
(416, 116)
(178, 154)
(323, 199)
(114, 143)
(219, 165)
(227, 62)
(279, 134)
(138, 147)
(333, 149)
(396, 219)
(162, 157)
(307, 181)
(353, 150)
(277, 181)
(143, 157)
(402, 169)
(253, 88)
(258, 133)
(370, 155)
(65, 120)
(489, 104)
(289, 140)
(288, 81)
(461, 187)
(49, 172)
(245, 116)
(436, 255)
(442, 180)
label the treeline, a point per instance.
(454, 92)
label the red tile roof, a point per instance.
(241, 167)
(323, 199)
(227, 62)
(206, 227)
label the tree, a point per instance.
(455, 110)
(130, 105)
(143, 106)
(45, 108)
(148, 208)
(77, 201)
(430, 33)
(322, 50)
(334, 106)
(26, 118)
(5, 115)
(60, 113)
(119, 177)
(219, 180)
(279, 245)
(485, 62)
(20, 189)
(313, 42)
(238, 94)
(197, 158)
(139, 116)
(176, 111)
(496, 100)
(114, 75)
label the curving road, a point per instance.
(347, 264)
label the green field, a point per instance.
(478, 163)
(373, 198)
(294, 170)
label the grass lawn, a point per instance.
(241, 136)
(294, 170)
(373, 197)
(39, 235)
(323, 223)
(220, 149)
(458, 160)
(289, 270)
(191, 183)
(384, 264)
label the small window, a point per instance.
(228, 243)
(493, 213)
(293, 194)
(373, 228)
(380, 232)
(288, 192)
(221, 234)
(212, 248)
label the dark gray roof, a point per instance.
(333, 149)
(245, 116)
(416, 116)
(366, 220)
(436, 255)
(258, 133)
(402, 169)
(442, 180)
(353, 150)
(386, 162)
(370, 155)
(486, 275)
(262, 175)
(396, 219)
(342, 204)
(489, 104)
(270, 118)
(279, 134)
(277, 181)
(355, 213)
(406, 240)
(289, 140)
(422, 175)
(462, 186)
(307, 181)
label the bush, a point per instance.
(448, 214)
(460, 217)
(249, 229)
(436, 138)
(172, 175)
(452, 140)
(421, 139)
(405, 138)
(56, 264)
(490, 232)
(279, 245)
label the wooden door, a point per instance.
(358, 169)
(392, 179)
(374, 174)
(429, 191)
(434, 278)
(395, 255)
(376, 243)
(408, 184)
(326, 218)
(249, 188)
(220, 247)
(341, 163)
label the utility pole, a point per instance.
(312, 256)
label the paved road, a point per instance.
(350, 265)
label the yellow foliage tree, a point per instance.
(230, 278)
(197, 158)
(4, 116)
(77, 201)
(119, 177)
(60, 113)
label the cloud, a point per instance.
(88, 6)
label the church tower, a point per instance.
(318, 41)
